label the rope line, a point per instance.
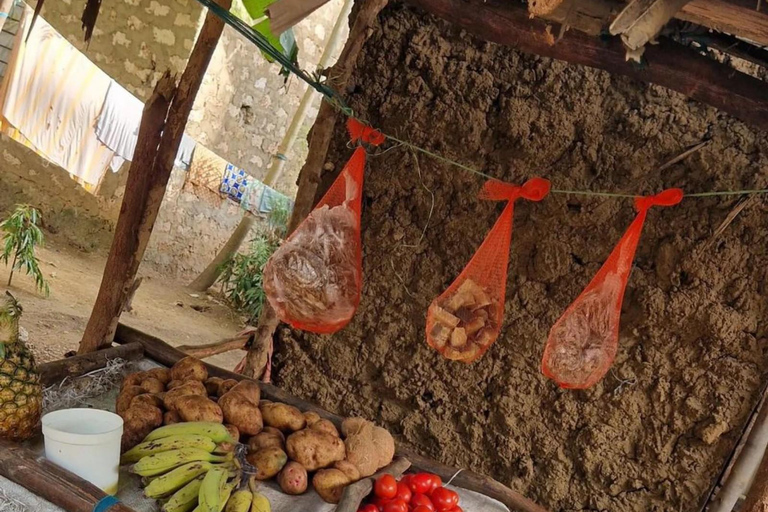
(337, 101)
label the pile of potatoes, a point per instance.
(283, 442)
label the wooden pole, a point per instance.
(47, 480)
(668, 64)
(6, 6)
(162, 126)
(56, 371)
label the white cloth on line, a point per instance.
(186, 149)
(52, 97)
(118, 124)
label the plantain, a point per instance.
(173, 480)
(240, 501)
(217, 432)
(165, 444)
(160, 463)
(211, 490)
(260, 503)
(185, 499)
(226, 492)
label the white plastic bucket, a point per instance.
(87, 443)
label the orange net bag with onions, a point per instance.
(582, 344)
(465, 320)
(314, 279)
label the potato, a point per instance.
(133, 379)
(189, 368)
(330, 484)
(212, 385)
(268, 462)
(293, 479)
(152, 385)
(283, 417)
(311, 417)
(240, 412)
(171, 417)
(234, 432)
(248, 389)
(348, 469)
(126, 396)
(188, 388)
(262, 403)
(269, 437)
(139, 421)
(226, 385)
(198, 408)
(161, 374)
(326, 426)
(147, 399)
(368, 447)
(314, 449)
(174, 384)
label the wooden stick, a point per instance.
(355, 493)
(668, 64)
(744, 203)
(147, 179)
(163, 353)
(218, 347)
(682, 156)
(642, 20)
(45, 479)
(757, 498)
(55, 371)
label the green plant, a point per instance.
(242, 275)
(21, 237)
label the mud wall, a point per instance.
(655, 432)
(241, 113)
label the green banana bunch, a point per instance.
(185, 499)
(175, 442)
(226, 493)
(217, 432)
(159, 463)
(173, 480)
(260, 503)
(240, 501)
(212, 490)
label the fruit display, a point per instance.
(21, 395)
(464, 324)
(420, 492)
(186, 419)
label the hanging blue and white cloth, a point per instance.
(234, 183)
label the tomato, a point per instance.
(444, 499)
(422, 500)
(368, 508)
(435, 482)
(421, 483)
(403, 492)
(385, 487)
(395, 506)
(422, 508)
(406, 479)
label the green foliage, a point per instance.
(254, 13)
(21, 237)
(242, 278)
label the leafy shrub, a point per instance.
(21, 237)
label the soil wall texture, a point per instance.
(654, 433)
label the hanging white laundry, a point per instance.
(118, 124)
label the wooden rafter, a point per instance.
(667, 64)
(731, 18)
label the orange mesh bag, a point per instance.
(582, 344)
(465, 320)
(314, 279)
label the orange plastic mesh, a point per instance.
(582, 344)
(314, 279)
(465, 320)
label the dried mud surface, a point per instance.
(652, 435)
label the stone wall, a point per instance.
(242, 112)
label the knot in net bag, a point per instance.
(314, 279)
(465, 320)
(583, 343)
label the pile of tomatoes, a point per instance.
(422, 492)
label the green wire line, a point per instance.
(336, 100)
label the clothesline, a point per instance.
(336, 100)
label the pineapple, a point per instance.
(21, 395)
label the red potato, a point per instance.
(293, 479)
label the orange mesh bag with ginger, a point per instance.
(465, 320)
(314, 279)
(582, 344)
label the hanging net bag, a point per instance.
(465, 320)
(582, 344)
(314, 279)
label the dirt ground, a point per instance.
(162, 306)
(655, 432)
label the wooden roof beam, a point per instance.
(668, 64)
(732, 18)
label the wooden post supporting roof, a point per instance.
(668, 64)
(162, 126)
